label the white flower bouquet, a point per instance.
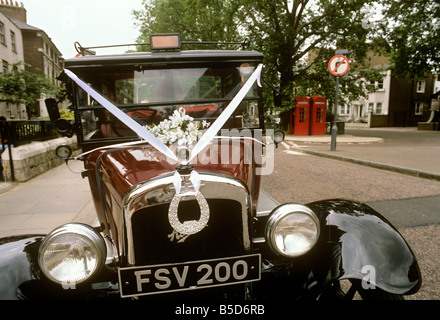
(179, 127)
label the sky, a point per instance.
(90, 22)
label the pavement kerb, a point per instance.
(349, 139)
(6, 186)
(377, 165)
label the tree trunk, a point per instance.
(286, 77)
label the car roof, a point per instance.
(151, 58)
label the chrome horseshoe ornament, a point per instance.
(192, 226)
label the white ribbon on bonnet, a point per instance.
(153, 140)
(188, 227)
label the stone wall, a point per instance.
(35, 158)
(378, 120)
(429, 126)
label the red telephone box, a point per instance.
(302, 117)
(318, 108)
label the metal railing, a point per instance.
(17, 133)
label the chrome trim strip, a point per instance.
(161, 191)
(258, 240)
(263, 213)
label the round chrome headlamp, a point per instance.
(292, 230)
(72, 254)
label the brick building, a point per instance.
(39, 52)
(11, 52)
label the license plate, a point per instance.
(154, 279)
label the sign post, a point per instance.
(338, 67)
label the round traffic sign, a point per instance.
(338, 65)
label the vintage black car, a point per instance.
(174, 147)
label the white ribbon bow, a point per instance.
(118, 113)
(194, 178)
(159, 145)
(224, 116)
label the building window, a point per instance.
(251, 108)
(5, 66)
(380, 84)
(2, 34)
(421, 86)
(419, 109)
(13, 45)
(379, 108)
(344, 109)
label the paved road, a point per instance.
(410, 151)
(60, 196)
(410, 203)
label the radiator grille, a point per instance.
(154, 241)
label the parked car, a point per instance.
(174, 147)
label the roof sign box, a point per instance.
(165, 41)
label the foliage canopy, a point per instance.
(411, 33)
(23, 87)
(298, 37)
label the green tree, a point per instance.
(194, 20)
(411, 35)
(23, 87)
(298, 37)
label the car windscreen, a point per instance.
(151, 96)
